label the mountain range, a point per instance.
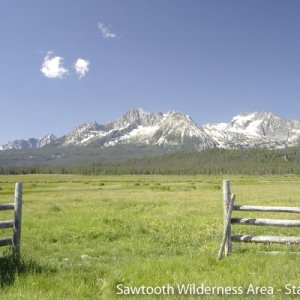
(171, 131)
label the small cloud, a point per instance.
(81, 66)
(53, 66)
(106, 32)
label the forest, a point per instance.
(208, 162)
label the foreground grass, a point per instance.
(82, 236)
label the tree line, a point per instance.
(210, 162)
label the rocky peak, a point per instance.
(261, 124)
(255, 129)
(83, 133)
(46, 140)
(31, 143)
(134, 118)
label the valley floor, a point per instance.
(85, 236)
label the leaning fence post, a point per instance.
(226, 226)
(226, 202)
(18, 219)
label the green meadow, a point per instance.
(84, 236)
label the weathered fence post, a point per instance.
(226, 202)
(227, 225)
(18, 219)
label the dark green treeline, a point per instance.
(214, 162)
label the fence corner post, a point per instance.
(17, 220)
(226, 203)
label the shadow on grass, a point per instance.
(11, 265)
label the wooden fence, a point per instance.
(229, 206)
(14, 224)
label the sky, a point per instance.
(66, 62)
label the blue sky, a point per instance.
(210, 59)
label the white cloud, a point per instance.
(53, 66)
(81, 66)
(106, 32)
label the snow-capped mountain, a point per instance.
(176, 130)
(140, 127)
(31, 143)
(257, 129)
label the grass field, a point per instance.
(84, 236)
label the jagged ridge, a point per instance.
(256, 129)
(175, 129)
(140, 127)
(31, 143)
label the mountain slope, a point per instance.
(255, 129)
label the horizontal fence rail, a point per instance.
(5, 242)
(7, 206)
(286, 209)
(230, 207)
(265, 239)
(265, 222)
(6, 224)
(15, 224)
